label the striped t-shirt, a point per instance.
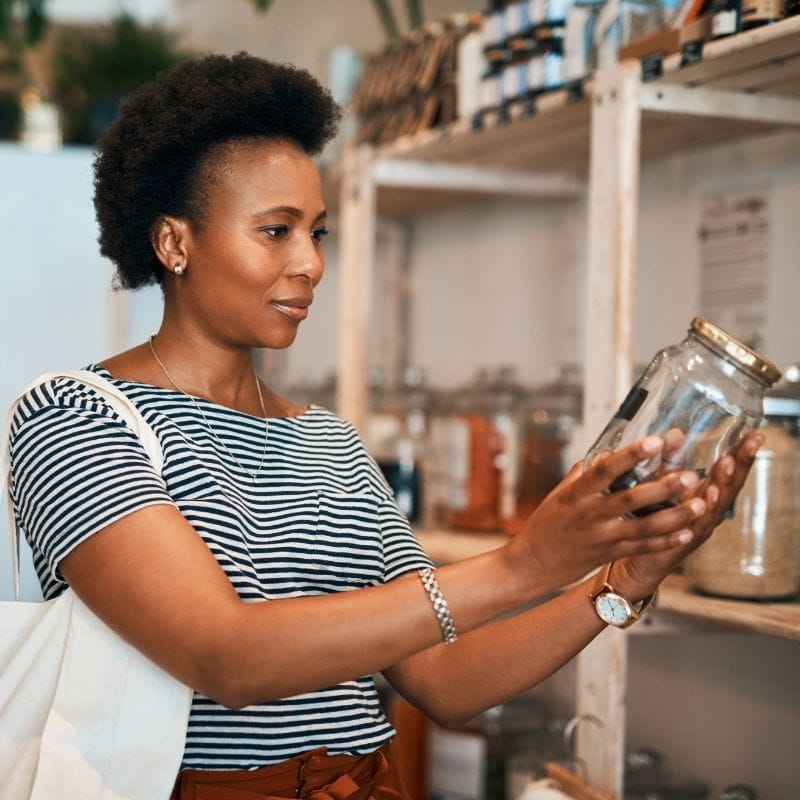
(319, 519)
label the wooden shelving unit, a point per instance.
(589, 146)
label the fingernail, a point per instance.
(697, 506)
(652, 444)
(689, 479)
(728, 468)
(685, 536)
(755, 444)
(712, 495)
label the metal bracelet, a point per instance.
(428, 578)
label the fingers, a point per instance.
(663, 530)
(651, 496)
(574, 473)
(605, 469)
(726, 479)
(656, 544)
(673, 454)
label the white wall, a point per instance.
(724, 707)
(501, 282)
(55, 305)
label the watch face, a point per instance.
(612, 608)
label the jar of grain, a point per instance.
(755, 551)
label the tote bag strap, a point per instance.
(115, 398)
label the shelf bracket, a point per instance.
(700, 101)
(439, 175)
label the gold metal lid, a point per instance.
(742, 355)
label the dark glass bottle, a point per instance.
(726, 18)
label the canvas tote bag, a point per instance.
(83, 714)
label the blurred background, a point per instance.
(476, 328)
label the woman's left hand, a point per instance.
(638, 576)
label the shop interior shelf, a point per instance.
(556, 137)
(677, 597)
(765, 60)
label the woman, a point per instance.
(205, 184)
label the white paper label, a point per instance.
(723, 23)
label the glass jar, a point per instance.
(710, 387)
(544, 428)
(473, 469)
(755, 552)
(647, 777)
(400, 434)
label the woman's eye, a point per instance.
(318, 234)
(276, 231)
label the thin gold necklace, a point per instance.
(253, 475)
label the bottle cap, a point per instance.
(743, 356)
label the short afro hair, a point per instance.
(148, 160)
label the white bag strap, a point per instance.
(114, 397)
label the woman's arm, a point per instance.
(488, 666)
(498, 661)
(151, 578)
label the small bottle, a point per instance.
(493, 25)
(709, 387)
(515, 75)
(725, 18)
(470, 66)
(492, 99)
(401, 454)
(760, 12)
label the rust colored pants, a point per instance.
(313, 775)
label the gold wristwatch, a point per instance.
(611, 606)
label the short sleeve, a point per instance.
(401, 550)
(76, 467)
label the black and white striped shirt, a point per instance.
(320, 518)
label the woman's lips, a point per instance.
(294, 311)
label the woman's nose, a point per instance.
(308, 260)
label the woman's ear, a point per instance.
(169, 239)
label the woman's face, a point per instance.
(253, 263)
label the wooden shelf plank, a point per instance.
(537, 139)
(781, 619)
(753, 53)
(556, 137)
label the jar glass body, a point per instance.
(693, 387)
(755, 551)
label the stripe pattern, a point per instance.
(319, 519)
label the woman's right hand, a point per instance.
(578, 527)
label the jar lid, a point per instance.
(742, 355)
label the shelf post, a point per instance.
(356, 262)
(608, 357)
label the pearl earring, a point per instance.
(178, 269)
